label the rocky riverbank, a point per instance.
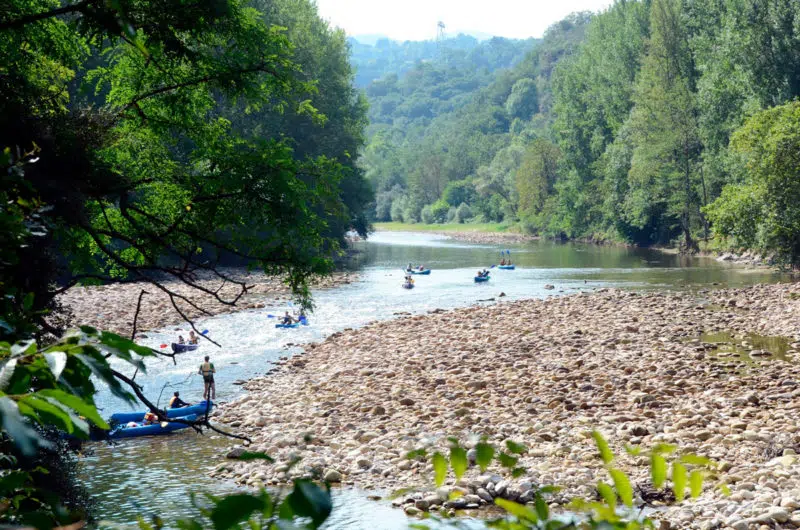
(642, 368)
(113, 307)
(488, 238)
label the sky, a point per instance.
(417, 19)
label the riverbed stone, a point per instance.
(623, 363)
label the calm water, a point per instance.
(154, 475)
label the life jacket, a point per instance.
(207, 369)
(150, 417)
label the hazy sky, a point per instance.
(416, 19)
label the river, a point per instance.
(155, 475)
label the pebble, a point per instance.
(621, 362)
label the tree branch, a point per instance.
(29, 19)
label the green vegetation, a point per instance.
(446, 227)
(615, 499)
(655, 123)
(144, 141)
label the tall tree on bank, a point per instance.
(664, 174)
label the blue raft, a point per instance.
(197, 408)
(303, 322)
(506, 267)
(150, 430)
(415, 271)
(408, 286)
(480, 279)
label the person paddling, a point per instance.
(192, 338)
(207, 371)
(287, 319)
(176, 402)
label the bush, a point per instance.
(397, 210)
(459, 191)
(427, 215)
(451, 215)
(463, 212)
(439, 211)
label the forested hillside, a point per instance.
(454, 128)
(645, 123)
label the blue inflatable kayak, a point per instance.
(413, 271)
(506, 267)
(180, 348)
(408, 286)
(303, 322)
(150, 430)
(197, 408)
(479, 279)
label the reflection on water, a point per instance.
(155, 475)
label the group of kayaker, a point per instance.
(411, 268)
(193, 339)
(482, 274)
(288, 319)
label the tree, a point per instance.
(666, 148)
(522, 102)
(537, 175)
(147, 179)
(764, 212)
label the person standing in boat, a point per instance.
(207, 371)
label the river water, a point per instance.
(155, 475)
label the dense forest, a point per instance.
(653, 122)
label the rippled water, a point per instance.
(155, 475)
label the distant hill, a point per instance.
(375, 57)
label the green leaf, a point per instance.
(507, 460)
(605, 452)
(664, 449)
(56, 361)
(49, 414)
(307, 500)
(249, 455)
(416, 453)
(84, 409)
(483, 455)
(658, 469)
(518, 472)
(695, 460)
(439, 468)
(458, 460)
(542, 510)
(515, 448)
(12, 422)
(623, 486)
(518, 510)
(608, 495)
(678, 481)
(696, 483)
(231, 510)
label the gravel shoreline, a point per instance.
(635, 366)
(112, 307)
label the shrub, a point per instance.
(427, 215)
(451, 215)
(439, 211)
(463, 212)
